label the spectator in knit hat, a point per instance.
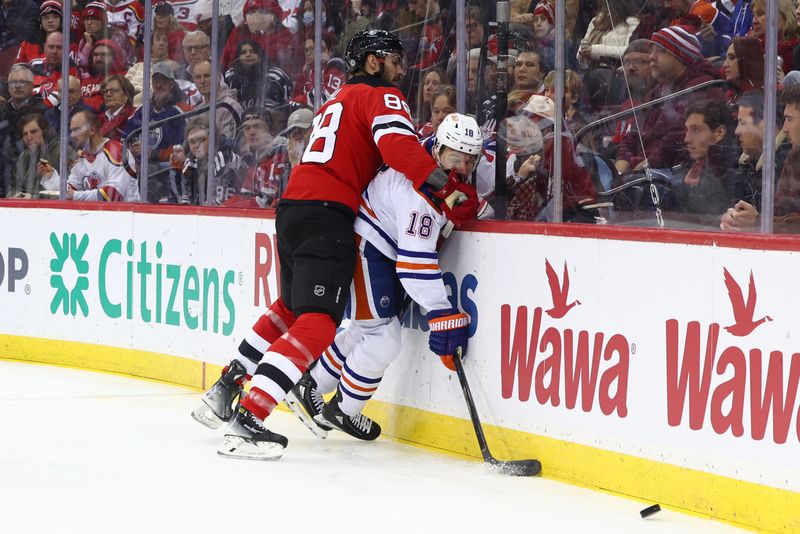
(95, 29)
(50, 15)
(544, 21)
(676, 64)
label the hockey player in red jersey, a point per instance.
(361, 127)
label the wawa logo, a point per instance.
(704, 376)
(592, 366)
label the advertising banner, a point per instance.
(683, 354)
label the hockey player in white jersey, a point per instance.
(397, 231)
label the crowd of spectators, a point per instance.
(706, 143)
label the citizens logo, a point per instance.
(69, 299)
(134, 281)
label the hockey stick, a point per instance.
(520, 468)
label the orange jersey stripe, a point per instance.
(332, 361)
(362, 301)
(358, 388)
(367, 208)
(416, 266)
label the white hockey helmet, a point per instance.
(461, 133)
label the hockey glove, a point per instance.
(443, 185)
(448, 331)
(462, 205)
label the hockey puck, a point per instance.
(650, 510)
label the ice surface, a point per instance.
(99, 453)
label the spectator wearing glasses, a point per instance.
(676, 63)
(196, 48)
(42, 148)
(475, 37)
(21, 102)
(118, 107)
(107, 60)
(629, 88)
(227, 179)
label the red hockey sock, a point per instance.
(275, 322)
(306, 339)
(259, 403)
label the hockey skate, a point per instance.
(248, 439)
(306, 403)
(359, 426)
(217, 402)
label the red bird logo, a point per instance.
(559, 291)
(742, 311)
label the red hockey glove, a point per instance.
(449, 186)
(449, 330)
(462, 205)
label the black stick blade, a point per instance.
(517, 468)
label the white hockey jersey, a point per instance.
(103, 176)
(127, 16)
(405, 225)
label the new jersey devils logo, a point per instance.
(559, 292)
(743, 312)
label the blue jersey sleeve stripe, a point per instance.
(383, 234)
(420, 276)
(361, 378)
(415, 254)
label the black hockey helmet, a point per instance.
(365, 42)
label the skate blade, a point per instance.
(240, 448)
(311, 424)
(206, 417)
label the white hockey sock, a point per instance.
(357, 388)
(328, 369)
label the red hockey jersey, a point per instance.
(364, 125)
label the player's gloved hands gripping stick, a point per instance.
(448, 332)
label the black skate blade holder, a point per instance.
(520, 468)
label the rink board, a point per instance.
(637, 378)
